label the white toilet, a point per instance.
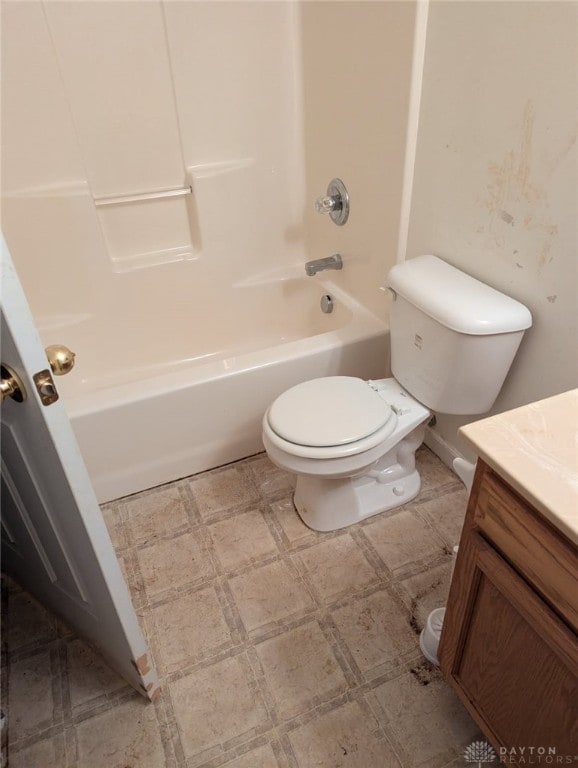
(351, 442)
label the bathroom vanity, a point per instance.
(509, 643)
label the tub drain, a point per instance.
(326, 304)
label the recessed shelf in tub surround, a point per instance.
(137, 197)
(148, 228)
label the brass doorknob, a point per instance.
(61, 359)
(11, 385)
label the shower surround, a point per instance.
(160, 163)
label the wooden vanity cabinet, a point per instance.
(509, 645)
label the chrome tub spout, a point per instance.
(319, 265)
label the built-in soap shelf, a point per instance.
(127, 232)
(139, 197)
(148, 229)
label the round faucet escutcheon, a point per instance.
(335, 202)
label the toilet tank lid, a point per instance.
(455, 299)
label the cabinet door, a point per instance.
(513, 662)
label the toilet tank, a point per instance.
(453, 338)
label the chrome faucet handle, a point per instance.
(327, 203)
(335, 202)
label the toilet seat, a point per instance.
(330, 417)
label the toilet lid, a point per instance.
(334, 410)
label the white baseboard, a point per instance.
(463, 468)
(442, 449)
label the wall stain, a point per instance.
(552, 298)
(516, 200)
(562, 154)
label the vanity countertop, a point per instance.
(534, 448)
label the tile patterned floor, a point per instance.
(278, 647)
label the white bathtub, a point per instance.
(153, 399)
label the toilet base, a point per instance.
(327, 505)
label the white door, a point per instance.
(54, 539)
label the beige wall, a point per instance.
(356, 68)
(495, 187)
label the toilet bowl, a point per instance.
(351, 444)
